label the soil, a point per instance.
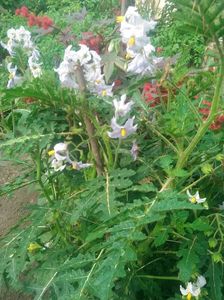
(12, 208)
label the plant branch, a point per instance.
(88, 123)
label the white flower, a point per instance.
(70, 55)
(60, 157)
(60, 152)
(93, 74)
(195, 198)
(83, 55)
(79, 165)
(134, 37)
(122, 131)
(57, 165)
(140, 65)
(193, 289)
(11, 33)
(18, 37)
(102, 89)
(67, 76)
(14, 79)
(132, 17)
(34, 65)
(122, 108)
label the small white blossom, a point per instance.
(140, 65)
(132, 17)
(122, 108)
(34, 65)
(60, 158)
(57, 165)
(103, 90)
(124, 131)
(14, 79)
(193, 289)
(195, 198)
(61, 152)
(79, 165)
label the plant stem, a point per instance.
(159, 277)
(88, 123)
(116, 153)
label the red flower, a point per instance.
(205, 102)
(150, 94)
(24, 11)
(220, 119)
(32, 20)
(215, 126)
(38, 21)
(46, 22)
(17, 12)
(204, 111)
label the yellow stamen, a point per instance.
(189, 296)
(120, 19)
(123, 132)
(193, 200)
(104, 93)
(98, 81)
(74, 166)
(33, 246)
(51, 152)
(131, 41)
(11, 76)
(128, 56)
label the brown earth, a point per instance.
(12, 208)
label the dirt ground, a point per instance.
(11, 210)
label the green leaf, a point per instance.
(216, 279)
(189, 261)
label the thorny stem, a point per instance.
(88, 123)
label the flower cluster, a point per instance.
(60, 158)
(121, 110)
(92, 41)
(219, 120)
(193, 289)
(32, 20)
(21, 38)
(134, 31)
(90, 62)
(18, 38)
